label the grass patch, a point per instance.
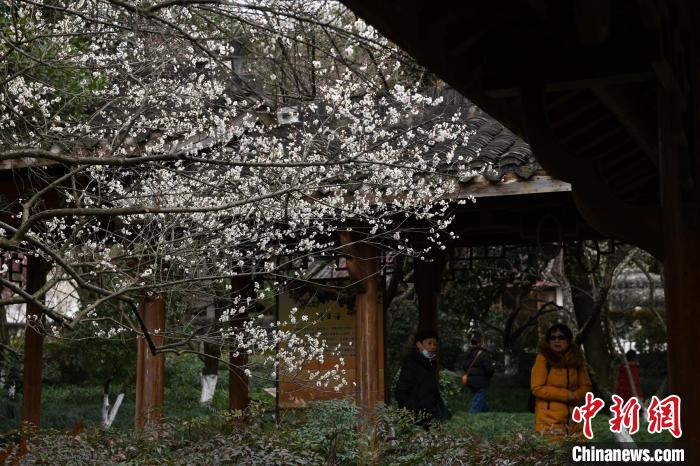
(62, 406)
(308, 435)
(493, 426)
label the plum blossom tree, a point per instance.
(167, 147)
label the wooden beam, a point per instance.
(33, 346)
(363, 266)
(598, 204)
(558, 67)
(633, 115)
(511, 185)
(150, 368)
(238, 383)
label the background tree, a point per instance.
(497, 296)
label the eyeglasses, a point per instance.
(558, 337)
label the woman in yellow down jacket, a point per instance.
(559, 381)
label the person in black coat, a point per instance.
(478, 367)
(418, 387)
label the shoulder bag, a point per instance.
(465, 377)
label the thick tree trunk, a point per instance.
(238, 389)
(210, 372)
(427, 277)
(33, 347)
(595, 343)
(109, 412)
(4, 334)
(510, 362)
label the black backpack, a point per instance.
(531, 401)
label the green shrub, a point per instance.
(324, 434)
(449, 384)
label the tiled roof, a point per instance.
(493, 150)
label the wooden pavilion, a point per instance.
(608, 95)
(515, 202)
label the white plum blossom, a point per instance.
(191, 153)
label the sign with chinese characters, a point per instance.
(661, 415)
(333, 316)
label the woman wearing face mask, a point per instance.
(559, 381)
(418, 387)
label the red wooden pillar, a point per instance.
(149, 368)
(427, 277)
(363, 265)
(238, 389)
(33, 347)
